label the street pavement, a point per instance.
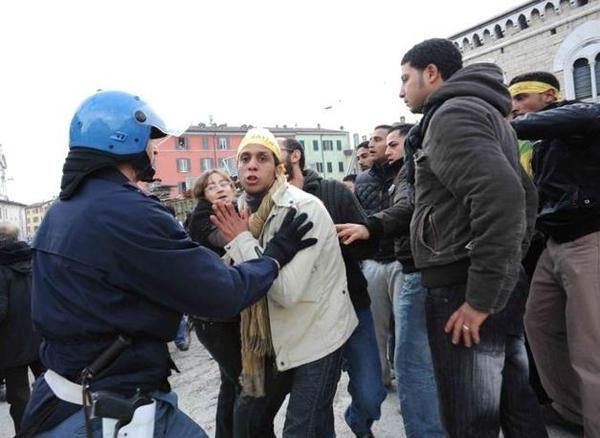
(198, 383)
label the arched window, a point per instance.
(498, 31)
(582, 78)
(549, 9)
(578, 57)
(522, 22)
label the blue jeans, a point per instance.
(311, 386)
(412, 363)
(361, 359)
(169, 422)
(254, 416)
(486, 387)
(182, 333)
(310, 409)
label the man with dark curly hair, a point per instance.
(473, 214)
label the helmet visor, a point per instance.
(174, 120)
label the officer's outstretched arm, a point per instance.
(157, 259)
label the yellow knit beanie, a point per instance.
(263, 137)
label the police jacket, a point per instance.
(310, 312)
(109, 261)
(343, 207)
(566, 167)
(373, 188)
(19, 344)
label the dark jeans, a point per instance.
(17, 389)
(485, 387)
(254, 415)
(312, 387)
(310, 410)
(222, 340)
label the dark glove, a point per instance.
(287, 241)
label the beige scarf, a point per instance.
(254, 320)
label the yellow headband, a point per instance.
(532, 87)
(263, 137)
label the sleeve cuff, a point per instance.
(375, 227)
(244, 247)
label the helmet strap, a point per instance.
(143, 167)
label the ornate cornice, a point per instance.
(508, 24)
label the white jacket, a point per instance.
(310, 311)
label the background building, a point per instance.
(326, 150)
(181, 160)
(34, 214)
(559, 36)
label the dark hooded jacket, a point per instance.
(343, 207)
(394, 221)
(19, 344)
(373, 189)
(473, 207)
(566, 167)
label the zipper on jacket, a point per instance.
(433, 229)
(428, 217)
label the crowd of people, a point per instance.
(463, 261)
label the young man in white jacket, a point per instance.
(308, 312)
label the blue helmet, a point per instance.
(114, 122)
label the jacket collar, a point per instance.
(386, 170)
(284, 196)
(111, 174)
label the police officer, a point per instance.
(110, 261)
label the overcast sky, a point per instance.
(247, 61)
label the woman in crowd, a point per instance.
(220, 337)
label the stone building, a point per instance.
(559, 36)
(34, 214)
